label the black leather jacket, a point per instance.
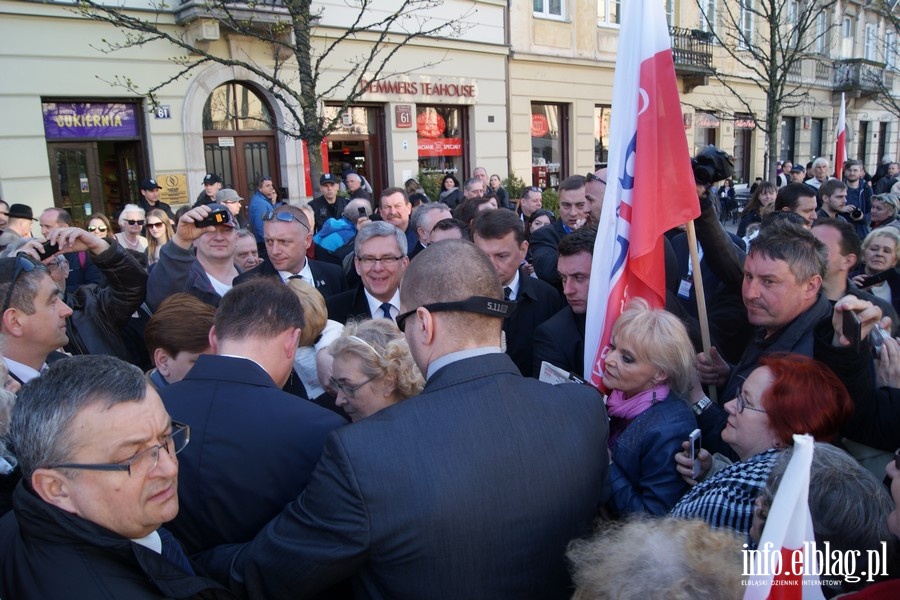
(101, 311)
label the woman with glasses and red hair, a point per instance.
(784, 395)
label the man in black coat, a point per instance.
(501, 235)
(229, 490)
(560, 340)
(574, 210)
(100, 477)
(288, 236)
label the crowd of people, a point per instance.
(347, 397)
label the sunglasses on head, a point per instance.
(24, 264)
(100, 228)
(591, 177)
(284, 217)
(134, 222)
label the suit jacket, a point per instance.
(426, 499)
(543, 246)
(349, 306)
(536, 302)
(560, 342)
(329, 278)
(252, 450)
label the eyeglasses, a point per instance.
(476, 304)
(144, 461)
(284, 217)
(591, 177)
(742, 404)
(155, 225)
(24, 264)
(134, 222)
(371, 261)
(349, 391)
(100, 228)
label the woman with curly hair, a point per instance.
(372, 368)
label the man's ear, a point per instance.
(161, 362)
(291, 340)
(213, 340)
(12, 322)
(53, 488)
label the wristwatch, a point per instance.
(701, 405)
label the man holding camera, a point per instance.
(209, 230)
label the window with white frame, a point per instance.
(821, 33)
(793, 15)
(551, 9)
(609, 13)
(871, 41)
(670, 13)
(745, 23)
(847, 27)
(890, 49)
(708, 15)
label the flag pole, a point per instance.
(701, 298)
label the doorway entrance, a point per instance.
(359, 143)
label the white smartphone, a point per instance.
(694, 440)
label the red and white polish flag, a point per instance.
(650, 181)
(840, 140)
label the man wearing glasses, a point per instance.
(472, 488)
(209, 273)
(99, 478)
(380, 260)
(287, 235)
(529, 202)
(254, 445)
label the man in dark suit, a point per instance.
(380, 260)
(395, 208)
(470, 490)
(423, 219)
(573, 212)
(501, 235)
(288, 236)
(253, 447)
(560, 340)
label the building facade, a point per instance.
(524, 89)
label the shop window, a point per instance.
(441, 140)
(548, 143)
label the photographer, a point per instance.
(834, 203)
(208, 230)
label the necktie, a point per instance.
(507, 292)
(300, 277)
(172, 550)
(386, 311)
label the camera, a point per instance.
(711, 165)
(218, 216)
(856, 214)
(47, 249)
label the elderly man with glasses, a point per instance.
(288, 236)
(38, 316)
(99, 478)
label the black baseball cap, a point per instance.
(150, 184)
(211, 178)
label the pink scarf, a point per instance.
(629, 408)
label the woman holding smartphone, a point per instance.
(648, 370)
(879, 275)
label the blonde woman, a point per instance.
(159, 231)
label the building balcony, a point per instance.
(861, 77)
(262, 12)
(692, 52)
